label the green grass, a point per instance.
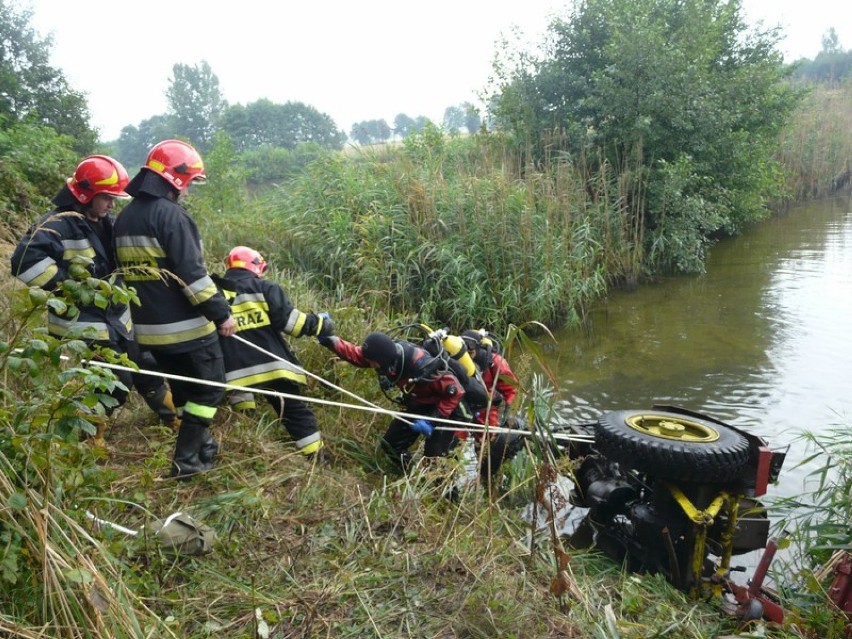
(344, 552)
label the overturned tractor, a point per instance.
(674, 492)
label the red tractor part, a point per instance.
(753, 601)
(840, 591)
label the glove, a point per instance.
(423, 426)
(327, 331)
(385, 383)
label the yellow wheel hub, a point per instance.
(670, 428)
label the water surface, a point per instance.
(761, 340)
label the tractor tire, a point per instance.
(672, 446)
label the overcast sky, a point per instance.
(361, 60)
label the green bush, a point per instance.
(55, 579)
(655, 84)
(34, 162)
(430, 230)
(267, 164)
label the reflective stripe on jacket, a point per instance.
(262, 312)
(159, 250)
(44, 255)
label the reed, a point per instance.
(56, 578)
(816, 147)
(451, 230)
(817, 522)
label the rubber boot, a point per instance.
(501, 449)
(161, 402)
(187, 460)
(209, 449)
(401, 459)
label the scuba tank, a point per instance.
(486, 343)
(455, 347)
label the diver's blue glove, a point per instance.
(423, 426)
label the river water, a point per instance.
(762, 340)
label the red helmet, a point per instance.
(98, 174)
(247, 258)
(177, 162)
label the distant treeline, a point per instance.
(832, 65)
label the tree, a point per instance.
(33, 91)
(420, 123)
(831, 64)
(133, 144)
(453, 118)
(370, 131)
(304, 123)
(402, 125)
(265, 164)
(35, 162)
(263, 123)
(830, 42)
(225, 191)
(472, 120)
(195, 102)
(679, 92)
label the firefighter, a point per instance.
(81, 225)
(263, 313)
(428, 386)
(181, 313)
(502, 385)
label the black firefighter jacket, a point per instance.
(262, 312)
(158, 245)
(42, 258)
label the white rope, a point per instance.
(130, 531)
(306, 372)
(104, 522)
(369, 407)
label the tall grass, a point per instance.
(453, 230)
(818, 521)
(816, 147)
(470, 231)
(59, 580)
(465, 231)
